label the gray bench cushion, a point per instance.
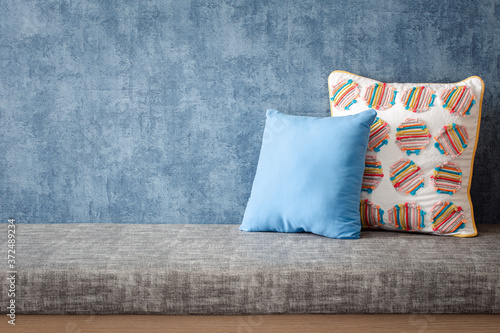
(217, 269)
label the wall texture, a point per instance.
(153, 111)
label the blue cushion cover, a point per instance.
(309, 175)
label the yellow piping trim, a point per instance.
(475, 144)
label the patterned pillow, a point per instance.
(418, 167)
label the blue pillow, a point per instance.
(309, 175)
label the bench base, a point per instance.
(124, 269)
(388, 323)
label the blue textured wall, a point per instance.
(153, 111)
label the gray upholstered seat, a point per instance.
(217, 269)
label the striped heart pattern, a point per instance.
(344, 94)
(458, 100)
(373, 174)
(412, 136)
(406, 176)
(452, 140)
(418, 99)
(379, 135)
(380, 96)
(371, 214)
(407, 217)
(447, 178)
(446, 217)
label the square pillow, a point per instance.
(309, 175)
(418, 167)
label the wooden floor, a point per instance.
(255, 324)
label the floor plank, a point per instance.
(254, 324)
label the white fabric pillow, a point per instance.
(421, 152)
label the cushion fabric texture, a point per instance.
(216, 269)
(418, 167)
(309, 175)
